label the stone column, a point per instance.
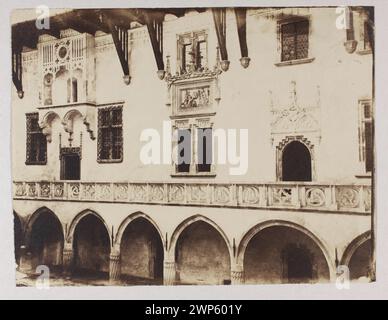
(25, 260)
(237, 275)
(169, 273)
(67, 258)
(114, 266)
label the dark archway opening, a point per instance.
(360, 262)
(296, 162)
(202, 256)
(18, 236)
(142, 254)
(46, 242)
(297, 264)
(91, 249)
(281, 254)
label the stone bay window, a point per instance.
(66, 68)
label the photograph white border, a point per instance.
(376, 290)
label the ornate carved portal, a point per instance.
(295, 129)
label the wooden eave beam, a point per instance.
(219, 16)
(241, 20)
(154, 23)
(120, 40)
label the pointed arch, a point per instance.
(44, 239)
(183, 225)
(46, 124)
(141, 246)
(68, 119)
(18, 235)
(271, 223)
(78, 218)
(129, 219)
(282, 147)
(33, 217)
(353, 246)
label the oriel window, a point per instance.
(36, 148)
(294, 40)
(110, 135)
(205, 149)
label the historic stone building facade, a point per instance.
(87, 205)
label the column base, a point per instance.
(169, 273)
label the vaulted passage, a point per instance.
(296, 162)
(359, 264)
(141, 253)
(282, 254)
(91, 247)
(46, 241)
(18, 233)
(202, 256)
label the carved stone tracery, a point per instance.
(294, 118)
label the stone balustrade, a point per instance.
(353, 198)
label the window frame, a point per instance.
(34, 116)
(110, 127)
(192, 124)
(280, 23)
(188, 40)
(362, 136)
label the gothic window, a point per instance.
(366, 135)
(184, 150)
(36, 148)
(110, 135)
(205, 151)
(192, 52)
(294, 40)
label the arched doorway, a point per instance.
(282, 254)
(18, 236)
(202, 255)
(141, 250)
(91, 248)
(45, 239)
(360, 261)
(296, 162)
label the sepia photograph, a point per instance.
(173, 146)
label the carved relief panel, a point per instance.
(295, 118)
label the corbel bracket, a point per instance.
(120, 40)
(219, 16)
(241, 21)
(17, 68)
